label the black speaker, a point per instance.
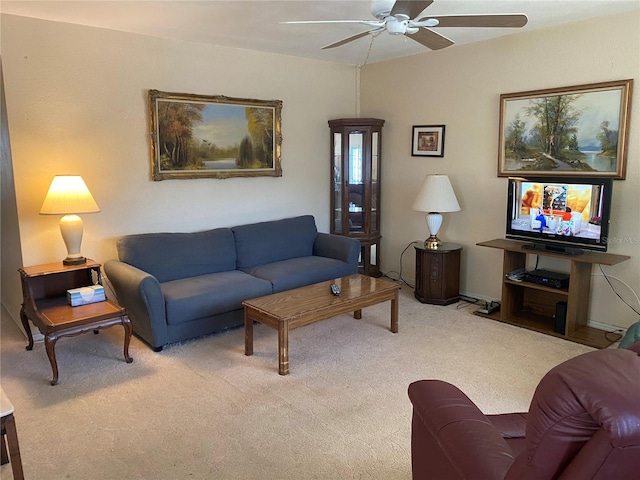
(561, 317)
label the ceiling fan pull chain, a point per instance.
(366, 59)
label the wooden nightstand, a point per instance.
(438, 274)
(44, 292)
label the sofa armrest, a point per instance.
(342, 248)
(451, 437)
(140, 294)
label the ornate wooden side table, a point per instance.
(44, 292)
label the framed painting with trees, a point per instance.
(571, 131)
(198, 136)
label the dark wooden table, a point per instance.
(438, 274)
(44, 291)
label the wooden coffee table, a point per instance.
(306, 305)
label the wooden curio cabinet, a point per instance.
(355, 186)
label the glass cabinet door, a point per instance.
(336, 225)
(355, 185)
(375, 136)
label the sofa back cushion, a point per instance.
(170, 256)
(267, 242)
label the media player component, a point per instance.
(548, 278)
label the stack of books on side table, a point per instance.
(85, 295)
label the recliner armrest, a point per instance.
(451, 437)
(510, 425)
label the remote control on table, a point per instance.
(335, 289)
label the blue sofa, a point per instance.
(177, 286)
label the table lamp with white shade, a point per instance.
(68, 195)
(435, 196)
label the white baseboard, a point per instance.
(605, 326)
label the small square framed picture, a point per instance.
(428, 141)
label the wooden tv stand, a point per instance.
(533, 306)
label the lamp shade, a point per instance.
(68, 194)
(436, 195)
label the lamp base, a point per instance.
(74, 261)
(432, 243)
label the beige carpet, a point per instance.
(203, 410)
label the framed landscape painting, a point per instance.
(572, 131)
(198, 136)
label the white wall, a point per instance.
(77, 103)
(460, 87)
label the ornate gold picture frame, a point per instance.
(571, 131)
(198, 136)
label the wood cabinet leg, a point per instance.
(4, 456)
(248, 334)
(394, 314)
(9, 427)
(27, 328)
(128, 330)
(50, 346)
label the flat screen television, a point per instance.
(560, 214)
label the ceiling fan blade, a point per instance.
(514, 20)
(373, 23)
(431, 39)
(354, 37)
(410, 8)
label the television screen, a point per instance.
(560, 214)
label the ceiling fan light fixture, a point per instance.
(395, 26)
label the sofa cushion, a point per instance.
(206, 295)
(301, 271)
(267, 242)
(170, 256)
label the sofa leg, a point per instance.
(158, 349)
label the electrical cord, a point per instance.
(400, 278)
(618, 333)
(466, 301)
(608, 277)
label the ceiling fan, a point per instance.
(403, 17)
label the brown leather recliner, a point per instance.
(583, 423)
